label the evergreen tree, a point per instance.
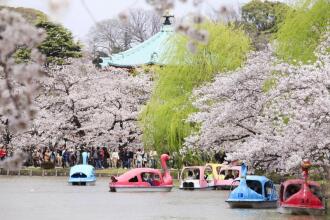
(59, 44)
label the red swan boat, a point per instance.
(301, 196)
(144, 179)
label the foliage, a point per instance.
(22, 55)
(47, 165)
(269, 113)
(30, 14)
(59, 44)
(261, 19)
(269, 84)
(264, 15)
(300, 34)
(164, 117)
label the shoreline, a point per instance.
(62, 172)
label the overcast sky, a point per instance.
(76, 18)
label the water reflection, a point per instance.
(33, 198)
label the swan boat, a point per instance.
(302, 196)
(144, 179)
(253, 192)
(82, 174)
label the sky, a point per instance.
(80, 15)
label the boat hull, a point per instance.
(82, 183)
(141, 189)
(225, 187)
(253, 204)
(197, 188)
(301, 211)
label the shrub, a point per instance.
(47, 165)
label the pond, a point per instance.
(47, 198)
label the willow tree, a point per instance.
(164, 118)
(301, 32)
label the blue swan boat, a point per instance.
(82, 174)
(253, 192)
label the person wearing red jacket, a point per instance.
(3, 153)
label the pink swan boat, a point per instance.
(144, 179)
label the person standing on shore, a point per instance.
(59, 158)
(105, 162)
(47, 155)
(153, 162)
(77, 153)
(3, 152)
(65, 157)
(114, 158)
(52, 156)
(139, 158)
(97, 158)
(130, 158)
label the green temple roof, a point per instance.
(151, 51)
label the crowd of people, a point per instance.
(99, 157)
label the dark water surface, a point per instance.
(47, 198)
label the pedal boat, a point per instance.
(302, 196)
(82, 174)
(216, 167)
(226, 184)
(257, 192)
(196, 177)
(143, 179)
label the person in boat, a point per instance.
(255, 186)
(229, 175)
(236, 174)
(149, 178)
(208, 175)
(190, 175)
(196, 174)
(292, 189)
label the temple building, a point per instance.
(149, 52)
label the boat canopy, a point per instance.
(137, 172)
(82, 168)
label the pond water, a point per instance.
(47, 198)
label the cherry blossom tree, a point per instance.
(270, 113)
(82, 105)
(17, 80)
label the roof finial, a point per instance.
(167, 17)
